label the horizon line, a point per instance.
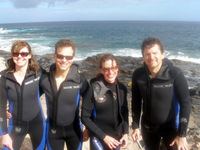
(102, 21)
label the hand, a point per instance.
(111, 142)
(85, 134)
(136, 135)
(7, 141)
(124, 141)
(8, 114)
(180, 142)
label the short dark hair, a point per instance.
(65, 43)
(150, 42)
(105, 57)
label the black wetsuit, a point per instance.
(166, 104)
(63, 124)
(105, 111)
(25, 108)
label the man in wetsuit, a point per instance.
(63, 86)
(160, 96)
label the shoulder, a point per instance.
(98, 78)
(122, 86)
(173, 70)
(139, 72)
(3, 74)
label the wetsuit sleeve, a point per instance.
(41, 84)
(136, 102)
(86, 114)
(124, 110)
(3, 105)
(182, 93)
(84, 86)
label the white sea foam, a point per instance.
(40, 49)
(185, 58)
(4, 31)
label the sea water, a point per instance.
(181, 39)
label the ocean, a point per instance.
(181, 39)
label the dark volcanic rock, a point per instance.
(90, 67)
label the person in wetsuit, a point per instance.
(19, 85)
(63, 86)
(160, 93)
(104, 108)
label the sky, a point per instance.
(14, 11)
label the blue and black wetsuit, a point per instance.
(166, 104)
(63, 109)
(105, 111)
(25, 108)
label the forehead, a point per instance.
(23, 49)
(67, 51)
(154, 48)
(109, 63)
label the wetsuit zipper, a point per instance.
(19, 92)
(55, 100)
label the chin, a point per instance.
(63, 69)
(110, 81)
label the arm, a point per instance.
(3, 105)
(86, 114)
(182, 93)
(136, 108)
(6, 139)
(136, 103)
(124, 111)
(42, 77)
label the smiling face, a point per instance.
(109, 69)
(64, 58)
(153, 58)
(21, 57)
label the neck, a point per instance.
(21, 70)
(154, 71)
(61, 73)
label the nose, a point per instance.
(110, 71)
(151, 56)
(19, 56)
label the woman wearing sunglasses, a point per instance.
(19, 85)
(104, 109)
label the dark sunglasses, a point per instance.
(23, 54)
(59, 56)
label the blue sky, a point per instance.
(12, 11)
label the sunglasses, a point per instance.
(59, 56)
(111, 68)
(22, 54)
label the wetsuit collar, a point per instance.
(164, 70)
(9, 75)
(73, 74)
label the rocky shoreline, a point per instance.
(89, 67)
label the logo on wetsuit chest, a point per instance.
(101, 99)
(163, 85)
(71, 87)
(31, 81)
